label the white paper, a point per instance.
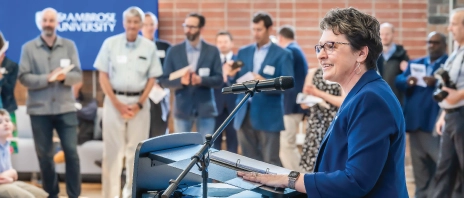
(5, 47)
(203, 72)
(3, 70)
(161, 53)
(179, 73)
(65, 70)
(308, 100)
(65, 62)
(269, 70)
(247, 77)
(157, 94)
(419, 71)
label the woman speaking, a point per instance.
(362, 153)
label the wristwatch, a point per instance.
(292, 177)
(140, 105)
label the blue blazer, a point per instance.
(225, 100)
(419, 108)
(362, 153)
(7, 85)
(300, 68)
(193, 100)
(266, 108)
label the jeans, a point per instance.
(204, 125)
(66, 126)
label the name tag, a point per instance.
(269, 70)
(65, 62)
(3, 70)
(161, 53)
(203, 72)
(121, 59)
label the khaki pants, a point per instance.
(19, 189)
(120, 139)
(289, 154)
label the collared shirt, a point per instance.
(193, 53)
(259, 56)
(454, 66)
(36, 63)
(226, 57)
(129, 64)
(387, 55)
(5, 160)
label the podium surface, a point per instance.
(161, 159)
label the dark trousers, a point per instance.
(259, 145)
(66, 127)
(450, 165)
(157, 125)
(231, 134)
(424, 155)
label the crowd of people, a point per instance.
(131, 64)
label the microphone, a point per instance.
(281, 83)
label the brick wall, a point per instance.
(413, 20)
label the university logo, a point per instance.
(82, 22)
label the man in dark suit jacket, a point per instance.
(194, 98)
(159, 112)
(289, 153)
(395, 59)
(225, 103)
(260, 120)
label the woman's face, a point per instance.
(336, 58)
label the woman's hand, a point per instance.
(279, 181)
(311, 90)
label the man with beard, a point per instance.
(128, 64)
(194, 99)
(50, 101)
(159, 113)
(394, 59)
(421, 111)
(260, 120)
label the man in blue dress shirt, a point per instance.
(421, 111)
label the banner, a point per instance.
(87, 22)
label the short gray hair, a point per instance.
(153, 17)
(133, 11)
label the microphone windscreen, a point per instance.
(286, 82)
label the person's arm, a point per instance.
(8, 82)
(369, 134)
(10, 173)
(168, 68)
(26, 77)
(401, 80)
(440, 123)
(75, 75)
(215, 80)
(334, 100)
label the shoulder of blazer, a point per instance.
(247, 47)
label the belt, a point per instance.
(453, 110)
(127, 93)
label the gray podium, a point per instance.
(160, 159)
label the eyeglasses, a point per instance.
(433, 42)
(189, 26)
(328, 47)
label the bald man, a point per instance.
(394, 58)
(450, 124)
(50, 101)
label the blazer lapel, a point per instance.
(269, 55)
(183, 56)
(202, 55)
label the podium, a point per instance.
(161, 159)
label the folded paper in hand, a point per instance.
(157, 94)
(5, 47)
(247, 77)
(179, 73)
(308, 100)
(65, 70)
